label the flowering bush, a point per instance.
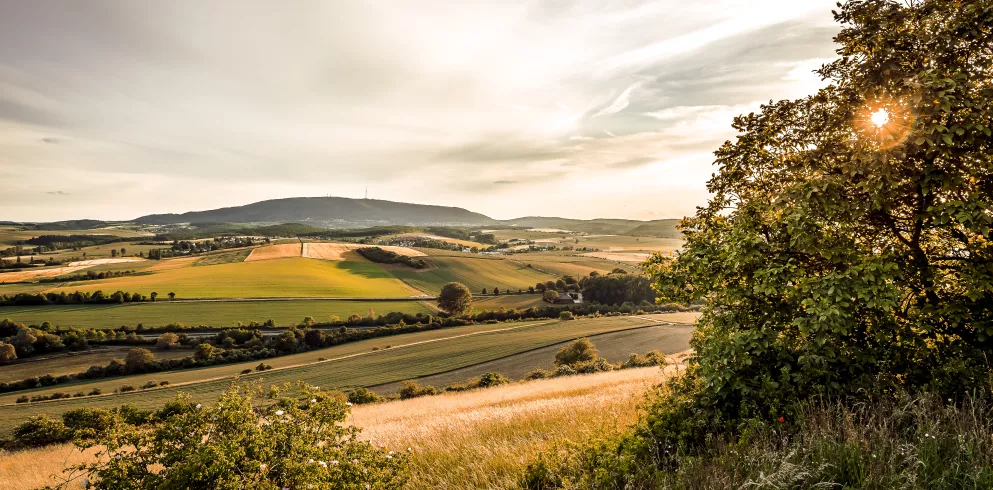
(242, 442)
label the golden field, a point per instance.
(476, 439)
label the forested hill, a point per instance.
(328, 211)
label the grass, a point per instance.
(231, 257)
(614, 346)
(508, 301)
(281, 278)
(74, 362)
(212, 313)
(349, 365)
(477, 439)
(476, 272)
(558, 264)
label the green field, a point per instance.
(565, 263)
(75, 362)
(212, 313)
(410, 357)
(9, 235)
(229, 257)
(476, 272)
(279, 278)
(508, 301)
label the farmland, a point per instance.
(74, 362)
(474, 271)
(348, 365)
(279, 278)
(211, 313)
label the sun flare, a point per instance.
(880, 118)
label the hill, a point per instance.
(335, 212)
(663, 228)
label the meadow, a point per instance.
(74, 362)
(476, 439)
(349, 365)
(210, 313)
(476, 272)
(277, 278)
(613, 346)
(11, 234)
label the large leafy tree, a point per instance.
(847, 242)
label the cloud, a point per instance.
(250, 100)
(57, 193)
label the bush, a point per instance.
(88, 422)
(491, 379)
(580, 350)
(566, 315)
(125, 388)
(361, 395)
(539, 374)
(410, 389)
(40, 431)
(300, 445)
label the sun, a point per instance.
(880, 118)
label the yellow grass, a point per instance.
(337, 251)
(70, 268)
(619, 256)
(485, 438)
(475, 439)
(274, 252)
(170, 264)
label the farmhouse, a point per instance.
(569, 298)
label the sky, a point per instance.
(117, 109)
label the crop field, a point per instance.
(342, 251)
(632, 257)
(277, 278)
(102, 251)
(349, 365)
(477, 439)
(228, 257)
(565, 263)
(75, 362)
(9, 235)
(210, 313)
(508, 301)
(70, 268)
(476, 272)
(270, 252)
(613, 346)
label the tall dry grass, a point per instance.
(475, 439)
(484, 439)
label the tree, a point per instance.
(154, 295)
(483, 291)
(166, 341)
(138, 360)
(579, 351)
(455, 299)
(846, 244)
(550, 295)
(123, 252)
(7, 352)
(172, 295)
(113, 252)
(203, 352)
(496, 291)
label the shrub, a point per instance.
(40, 431)
(300, 445)
(125, 388)
(22, 399)
(491, 379)
(539, 374)
(410, 389)
(566, 315)
(87, 422)
(361, 395)
(580, 350)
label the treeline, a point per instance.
(383, 256)
(193, 247)
(89, 276)
(462, 234)
(76, 298)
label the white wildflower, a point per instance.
(199, 405)
(323, 464)
(279, 412)
(348, 404)
(313, 400)
(334, 462)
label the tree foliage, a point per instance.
(244, 441)
(455, 299)
(836, 252)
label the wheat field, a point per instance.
(476, 439)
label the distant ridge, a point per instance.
(329, 212)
